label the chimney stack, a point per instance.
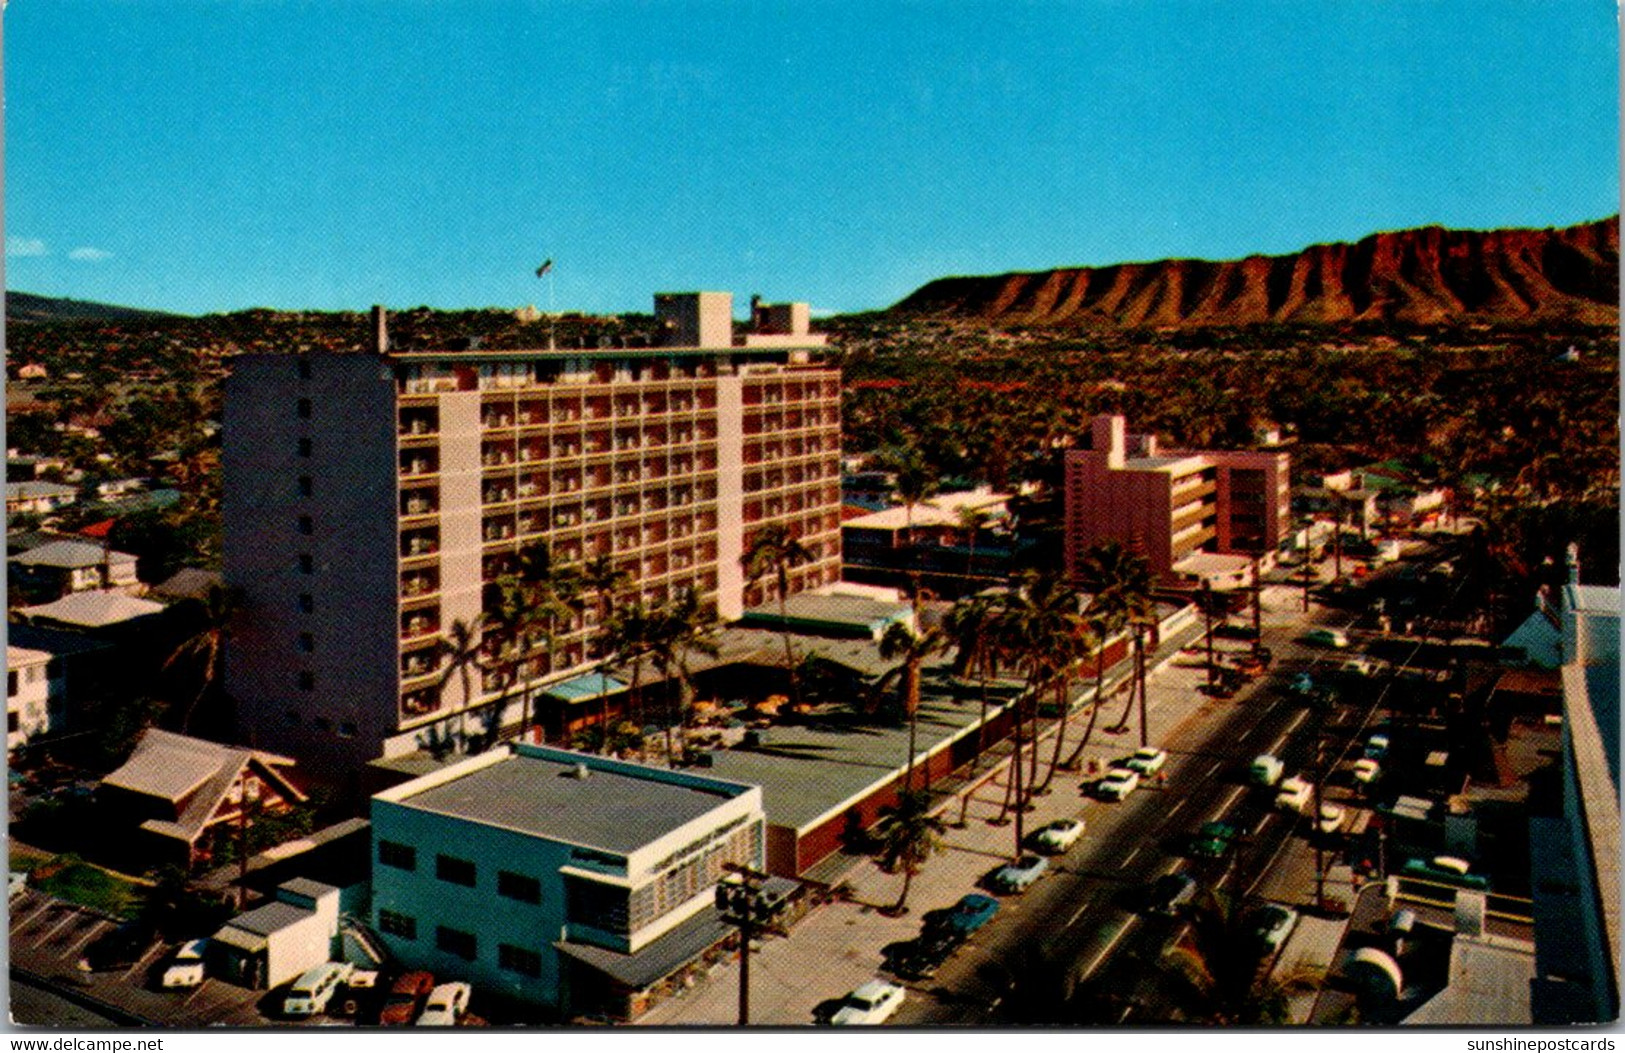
(380, 330)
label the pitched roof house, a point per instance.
(174, 791)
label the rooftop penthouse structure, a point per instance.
(370, 498)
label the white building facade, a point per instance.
(494, 869)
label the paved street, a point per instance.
(1080, 910)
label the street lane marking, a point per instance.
(1077, 913)
(1095, 964)
(1213, 768)
(1177, 806)
(1130, 856)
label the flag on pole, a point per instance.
(544, 268)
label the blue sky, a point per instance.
(203, 156)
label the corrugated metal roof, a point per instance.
(96, 607)
(586, 687)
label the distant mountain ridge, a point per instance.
(28, 307)
(1427, 275)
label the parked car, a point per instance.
(1272, 924)
(1117, 784)
(920, 958)
(185, 969)
(1376, 747)
(315, 988)
(1265, 770)
(1331, 818)
(1170, 893)
(1301, 684)
(1058, 836)
(1446, 870)
(446, 1006)
(873, 1003)
(1294, 794)
(1147, 760)
(118, 948)
(1328, 638)
(1019, 876)
(16, 884)
(405, 999)
(969, 914)
(1366, 771)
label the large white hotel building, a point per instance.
(369, 497)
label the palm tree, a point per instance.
(218, 607)
(1216, 967)
(775, 550)
(462, 648)
(1103, 622)
(687, 626)
(971, 624)
(909, 835)
(605, 581)
(899, 641)
(1121, 583)
(630, 637)
(971, 521)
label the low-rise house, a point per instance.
(176, 793)
(31, 712)
(58, 568)
(188, 583)
(567, 881)
(91, 609)
(277, 941)
(38, 498)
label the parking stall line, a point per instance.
(1129, 857)
(54, 929)
(99, 927)
(1083, 906)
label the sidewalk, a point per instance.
(838, 946)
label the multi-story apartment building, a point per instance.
(1168, 505)
(369, 499)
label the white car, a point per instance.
(873, 1003)
(1118, 784)
(1147, 760)
(1331, 818)
(186, 968)
(446, 1005)
(1058, 836)
(1366, 771)
(1294, 794)
(315, 987)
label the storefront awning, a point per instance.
(585, 688)
(659, 959)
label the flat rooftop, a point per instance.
(807, 770)
(610, 810)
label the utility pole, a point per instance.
(742, 902)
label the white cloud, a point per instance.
(16, 247)
(87, 254)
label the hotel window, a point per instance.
(305, 486)
(304, 368)
(399, 856)
(307, 642)
(307, 564)
(304, 408)
(307, 681)
(307, 603)
(403, 925)
(519, 960)
(304, 447)
(306, 525)
(456, 942)
(457, 871)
